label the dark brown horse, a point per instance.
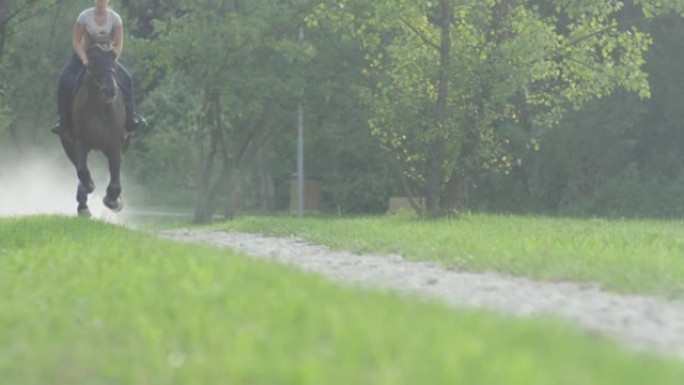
(98, 118)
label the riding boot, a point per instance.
(134, 121)
(61, 126)
(60, 129)
(57, 127)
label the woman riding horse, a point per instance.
(96, 25)
(98, 118)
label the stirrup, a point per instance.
(137, 123)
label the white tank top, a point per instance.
(96, 33)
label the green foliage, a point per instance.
(357, 174)
(232, 74)
(30, 58)
(493, 61)
(241, 58)
(163, 159)
(5, 116)
(572, 163)
(260, 73)
(617, 157)
(654, 8)
(83, 302)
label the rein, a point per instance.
(96, 76)
(99, 73)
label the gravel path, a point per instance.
(639, 322)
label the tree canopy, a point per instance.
(437, 100)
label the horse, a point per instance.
(98, 117)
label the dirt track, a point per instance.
(639, 322)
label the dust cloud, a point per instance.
(42, 182)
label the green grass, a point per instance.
(83, 302)
(626, 256)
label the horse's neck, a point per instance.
(91, 88)
(92, 94)
(94, 117)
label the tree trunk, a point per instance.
(454, 196)
(266, 184)
(5, 12)
(233, 193)
(234, 154)
(435, 173)
(205, 205)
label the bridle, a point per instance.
(99, 73)
(97, 76)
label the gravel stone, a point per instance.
(637, 321)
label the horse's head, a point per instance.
(102, 68)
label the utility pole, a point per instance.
(300, 146)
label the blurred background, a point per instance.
(220, 83)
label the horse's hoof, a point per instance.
(85, 213)
(88, 187)
(116, 206)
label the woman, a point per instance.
(96, 25)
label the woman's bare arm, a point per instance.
(118, 40)
(79, 32)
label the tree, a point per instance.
(13, 12)
(445, 75)
(237, 56)
(28, 50)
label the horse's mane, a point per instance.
(104, 47)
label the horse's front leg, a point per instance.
(113, 198)
(85, 182)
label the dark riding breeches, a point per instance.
(72, 75)
(71, 78)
